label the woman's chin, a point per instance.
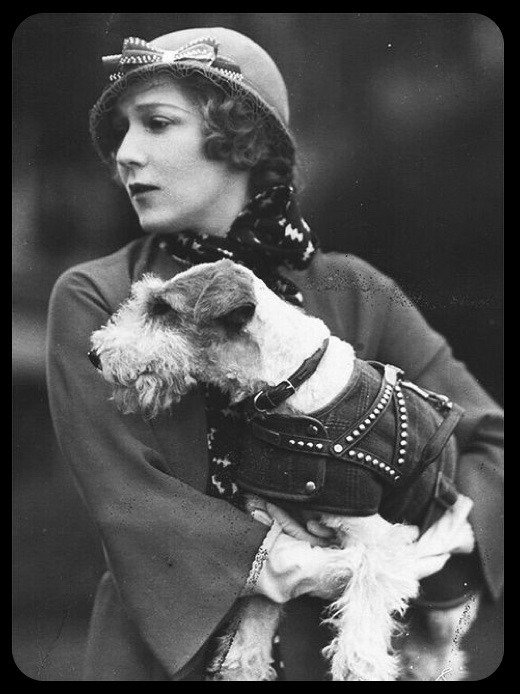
(151, 224)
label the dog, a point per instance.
(219, 324)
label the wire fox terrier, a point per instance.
(217, 323)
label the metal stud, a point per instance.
(375, 461)
(402, 451)
(367, 421)
(310, 444)
(310, 487)
(404, 425)
(292, 442)
(404, 434)
(381, 465)
(392, 472)
(350, 438)
(355, 432)
(352, 453)
(368, 458)
(360, 455)
(372, 416)
(387, 468)
(362, 427)
(319, 446)
(397, 477)
(400, 461)
(338, 448)
(301, 443)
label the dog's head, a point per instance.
(170, 335)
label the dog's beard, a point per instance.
(151, 394)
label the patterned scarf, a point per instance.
(268, 234)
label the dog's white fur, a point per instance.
(153, 357)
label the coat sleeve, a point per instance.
(179, 558)
(409, 342)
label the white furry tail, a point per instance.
(381, 580)
(245, 653)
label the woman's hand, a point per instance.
(451, 534)
(316, 534)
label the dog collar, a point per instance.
(270, 398)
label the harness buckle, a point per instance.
(279, 391)
(259, 409)
(290, 385)
(392, 374)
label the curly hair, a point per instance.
(239, 132)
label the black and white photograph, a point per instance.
(257, 352)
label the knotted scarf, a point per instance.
(267, 235)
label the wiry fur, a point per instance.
(218, 323)
(244, 653)
(381, 581)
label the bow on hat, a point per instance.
(137, 53)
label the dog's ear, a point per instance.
(228, 297)
(237, 317)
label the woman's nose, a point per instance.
(130, 151)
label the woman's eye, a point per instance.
(157, 123)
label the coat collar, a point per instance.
(153, 258)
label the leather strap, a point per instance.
(270, 398)
(356, 432)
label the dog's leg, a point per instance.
(432, 645)
(246, 654)
(378, 572)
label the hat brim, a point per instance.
(99, 117)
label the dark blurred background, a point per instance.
(399, 118)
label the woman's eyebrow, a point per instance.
(154, 104)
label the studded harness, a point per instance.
(371, 450)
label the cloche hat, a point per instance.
(227, 58)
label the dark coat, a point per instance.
(177, 559)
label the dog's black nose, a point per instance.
(94, 358)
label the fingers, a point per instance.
(412, 531)
(253, 502)
(292, 527)
(462, 506)
(465, 540)
(431, 565)
(319, 530)
(262, 517)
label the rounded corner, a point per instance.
(495, 673)
(22, 22)
(21, 672)
(492, 20)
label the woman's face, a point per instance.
(160, 161)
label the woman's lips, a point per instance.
(140, 188)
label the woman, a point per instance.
(195, 127)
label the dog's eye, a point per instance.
(159, 308)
